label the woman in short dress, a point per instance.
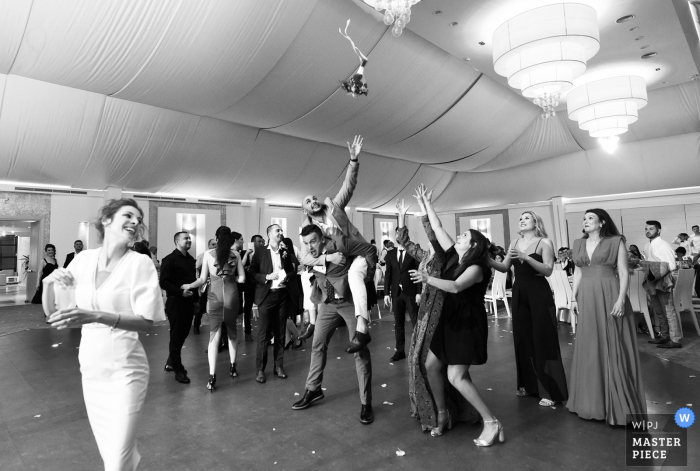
(606, 376)
(224, 268)
(537, 355)
(117, 295)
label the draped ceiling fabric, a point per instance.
(241, 100)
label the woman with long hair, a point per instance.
(537, 355)
(49, 264)
(606, 376)
(118, 296)
(460, 337)
(224, 269)
(290, 262)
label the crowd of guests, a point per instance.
(117, 290)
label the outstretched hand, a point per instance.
(355, 147)
(401, 206)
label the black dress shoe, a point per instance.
(248, 337)
(280, 373)
(309, 398)
(659, 341)
(260, 377)
(181, 377)
(308, 333)
(359, 341)
(298, 345)
(232, 371)
(168, 368)
(398, 356)
(366, 414)
(222, 348)
(195, 330)
(670, 344)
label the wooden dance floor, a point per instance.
(248, 426)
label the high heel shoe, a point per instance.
(289, 344)
(499, 433)
(232, 371)
(211, 384)
(438, 431)
(298, 345)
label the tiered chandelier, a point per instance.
(605, 108)
(396, 12)
(543, 50)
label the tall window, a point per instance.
(8, 252)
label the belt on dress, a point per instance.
(278, 289)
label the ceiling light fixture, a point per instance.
(396, 12)
(644, 47)
(543, 50)
(609, 144)
(638, 38)
(624, 19)
(648, 55)
(454, 23)
(634, 28)
(605, 108)
(436, 12)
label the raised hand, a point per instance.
(401, 206)
(355, 147)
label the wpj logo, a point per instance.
(658, 440)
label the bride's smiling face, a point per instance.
(126, 224)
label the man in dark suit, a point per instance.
(402, 293)
(331, 291)
(177, 270)
(249, 289)
(78, 246)
(272, 299)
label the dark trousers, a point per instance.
(180, 312)
(272, 322)
(402, 304)
(202, 307)
(249, 294)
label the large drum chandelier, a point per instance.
(543, 50)
(396, 12)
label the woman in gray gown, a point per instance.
(606, 378)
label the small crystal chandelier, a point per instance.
(548, 102)
(396, 12)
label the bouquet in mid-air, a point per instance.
(356, 84)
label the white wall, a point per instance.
(293, 216)
(66, 213)
(167, 227)
(238, 218)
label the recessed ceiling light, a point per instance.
(437, 12)
(467, 59)
(624, 18)
(638, 38)
(454, 23)
(658, 69)
(665, 81)
(644, 47)
(482, 43)
(649, 55)
(634, 28)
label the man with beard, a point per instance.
(176, 271)
(331, 291)
(267, 267)
(331, 218)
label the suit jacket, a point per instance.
(69, 258)
(261, 266)
(396, 274)
(334, 210)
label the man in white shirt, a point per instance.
(658, 250)
(694, 241)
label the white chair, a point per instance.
(562, 296)
(683, 296)
(498, 292)
(638, 298)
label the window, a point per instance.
(282, 222)
(8, 252)
(482, 225)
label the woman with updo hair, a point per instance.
(116, 296)
(48, 266)
(223, 266)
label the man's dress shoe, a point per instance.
(309, 398)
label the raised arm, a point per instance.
(343, 197)
(473, 274)
(441, 234)
(413, 249)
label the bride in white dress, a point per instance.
(116, 296)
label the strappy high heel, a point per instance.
(439, 430)
(499, 433)
(232, 371)
(211, 384)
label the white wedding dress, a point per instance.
(113, 363)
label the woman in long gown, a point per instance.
(460, 337)
(47, 268)
(423, 404)
(537, 355)
(224, 268)
(117, 295)
(606, 377)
